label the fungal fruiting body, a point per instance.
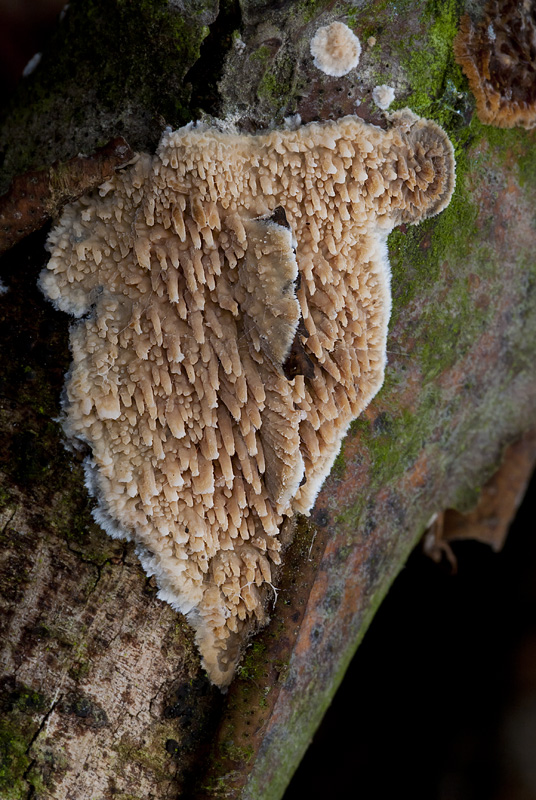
(335, 49)
(383, 96)
(232, 300)
(498, 56)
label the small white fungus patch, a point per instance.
(239, 44)
(335, 49)
(383, 96)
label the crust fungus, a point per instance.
(335, 49)
(383, 96)
(232, 300)
(498, 55)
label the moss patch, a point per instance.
(433, 75)
(13, 762)
(22, 711)
(113, 67)
(252, 666)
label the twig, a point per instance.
(36, 196)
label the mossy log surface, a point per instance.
(101, 693)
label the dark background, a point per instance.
(24, 28)
(439, 702)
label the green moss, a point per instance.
(387, 460)
(434, 77)
(515, 146)
(80, 670)
(253, 664)
(526, 162)
(262, 55)
(339, 465)
(5, 498)
(442, 251)
(14, 761)
(143, 51)
(236, 753)
(373, 17)
(457, 236)
(381, 10)
(422, 55)
(149, 755)
(275, 86)
(417, 258)
(426, 59)
(28, 700)
(22, 708)
(268, 88)
(309, 9)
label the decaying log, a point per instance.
(102, 694)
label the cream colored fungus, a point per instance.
(232, 296)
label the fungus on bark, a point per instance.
(498, 56)
(232, 295)
(383, 96)
(335, 49)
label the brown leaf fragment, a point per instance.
(298, 362)
(500, 498)
(279, 217)
(36, 196)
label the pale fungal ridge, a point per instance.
(232, 295)
(383, 96)
(335, 49)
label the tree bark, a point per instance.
(102, 694)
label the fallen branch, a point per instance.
(38, 195)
